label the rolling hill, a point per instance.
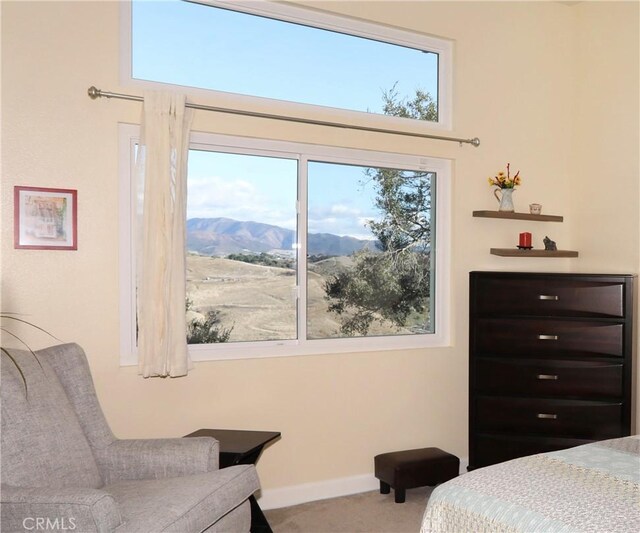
(223, 236)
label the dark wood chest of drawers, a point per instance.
(550, 362)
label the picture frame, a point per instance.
(45, 218)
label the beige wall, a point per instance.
(606, 137)
(524, 83)
(605, 212)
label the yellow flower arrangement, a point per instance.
(505, 181)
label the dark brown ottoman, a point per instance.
(409, 469)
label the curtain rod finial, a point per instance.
(93, 92)
(475, 141)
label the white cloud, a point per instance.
(340, 219)
(344, 211)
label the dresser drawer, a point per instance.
(542, 377)
(491, 449)
(551, 338)
(549, 297)
(546, 417)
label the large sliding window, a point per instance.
(295, 248)
(257, 53)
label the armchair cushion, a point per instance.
(70, 364)
(43, 443)
(179, 504)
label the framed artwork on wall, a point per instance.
(45, 219)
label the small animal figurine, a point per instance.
(549, 245)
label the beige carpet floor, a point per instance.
(368, 512)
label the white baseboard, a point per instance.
(322, 490)
(309, 492)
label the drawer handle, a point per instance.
(549, 377)
(548, 297)
(548, 337)
(546, 416)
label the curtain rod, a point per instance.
(94, 93)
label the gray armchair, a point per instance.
(62, 468)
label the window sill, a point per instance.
(316, 347)
(268, 349)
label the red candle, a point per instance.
(525, 240)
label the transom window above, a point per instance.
(274, 51)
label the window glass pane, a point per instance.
(369, 251)
(241, 235)
(208, 47)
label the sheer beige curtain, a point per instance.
(161, 192)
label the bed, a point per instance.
(589, 488)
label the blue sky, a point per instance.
(195, 45)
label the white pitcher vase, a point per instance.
(504, 199)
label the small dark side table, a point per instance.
(239, 447)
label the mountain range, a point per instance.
(223, 236)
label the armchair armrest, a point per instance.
(157, 458)
(40, 508)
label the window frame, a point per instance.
(128, 136)
(319, 19)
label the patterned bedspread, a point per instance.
(590, 488)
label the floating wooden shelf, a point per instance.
(518, 216)
(516, 252)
